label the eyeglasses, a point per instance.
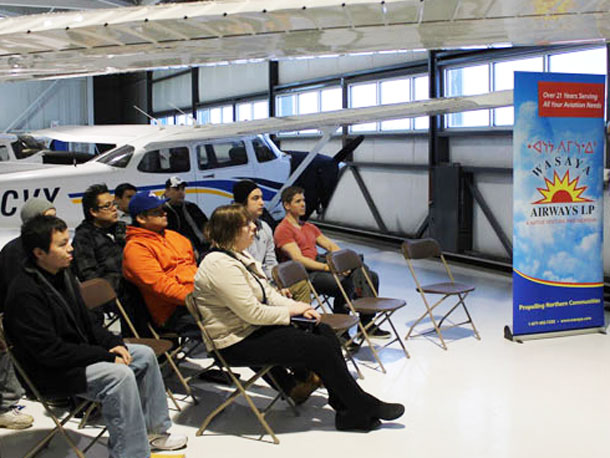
(156, 212)
(107, 206)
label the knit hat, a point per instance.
(242, 189)
(34, 207)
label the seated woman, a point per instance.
(249, 322)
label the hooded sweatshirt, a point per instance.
(163, 268)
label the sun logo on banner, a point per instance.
(562, 190)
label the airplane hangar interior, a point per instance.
(455, 148)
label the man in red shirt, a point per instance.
(299, 240)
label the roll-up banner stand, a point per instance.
(558, 147)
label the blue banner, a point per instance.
(558, 146)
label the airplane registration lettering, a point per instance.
(4, 209)
(9, 204)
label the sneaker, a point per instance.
(167, 442)
(378, 333)
(14, 419)
(302, 390)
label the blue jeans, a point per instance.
(133, 401)
(10, 388)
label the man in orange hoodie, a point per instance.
(159, 262)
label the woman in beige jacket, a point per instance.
(249, 321)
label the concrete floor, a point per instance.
(488, 398)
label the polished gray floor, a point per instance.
(487, 398)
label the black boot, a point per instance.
(350, 421)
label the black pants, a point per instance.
(318, 351)
(325, 283)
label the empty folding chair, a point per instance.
(290, 273)
(429, 248)
(97, 292)
(381, 307)
(241, 387)
(81, 406)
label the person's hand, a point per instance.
(286, 293)
(299, 308)
(119, 360)
(121, 353)
(312, 314)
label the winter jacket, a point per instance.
(98, 253)
(52, 333)
(12, 258)
(231, 299)
(162, 266)
(177, 221)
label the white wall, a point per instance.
(171, 93)
(295, 70)
(67, 103)
(224, 81)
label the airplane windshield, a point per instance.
(26, 146)
(118, 157)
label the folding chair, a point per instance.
(428, 248)
(240, 387)
(59, 424)
(97, 292)
(290, 273)
(381, 307)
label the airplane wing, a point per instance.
(334, 119)
(107, 134)
(94, 42)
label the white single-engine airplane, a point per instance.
(211, 158)
(103, 41)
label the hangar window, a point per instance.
(247, 111)
(308, 101)
(499, 75)
(214, 155)
(468, 81)
(215, 115)
(386, 91)
(166, 160)
(504, 78)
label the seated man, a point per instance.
(185, 217)
(247, 193)
(122, 195)
(12, 257)
(298, 241)
(66, 354)
(160, 262)
(99, 241)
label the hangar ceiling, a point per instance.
(117, 36)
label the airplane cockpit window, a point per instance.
(4, 153)
(26, 146)
(166, 160)
(120, 157)
(216, 155)
(262, 151)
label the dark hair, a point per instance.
(38, 233)
(289, 193)
(120, 189)
(225, 223)
(90, 198)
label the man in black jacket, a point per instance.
(185, 217)
(11, 258)
(99, 241)
(65, 353)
